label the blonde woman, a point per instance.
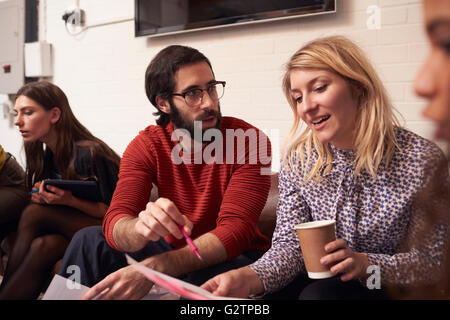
(352, 163)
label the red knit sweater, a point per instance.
(224, 199)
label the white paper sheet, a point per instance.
(175, 285)
(64, 289)
(59, 289)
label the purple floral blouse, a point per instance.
(374, 215)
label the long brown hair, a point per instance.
(71, 134)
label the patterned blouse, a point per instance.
(374, 215)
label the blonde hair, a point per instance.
(374, 132)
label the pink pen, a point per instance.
(190, 243)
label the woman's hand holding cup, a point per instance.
(343, 260)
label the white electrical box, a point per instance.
(38, 59)
(12, 38)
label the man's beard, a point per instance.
(180, 122)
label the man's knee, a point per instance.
(87, 236)
(84, 240)
(82, 249)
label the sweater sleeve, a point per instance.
(243, 201)
(136, 174)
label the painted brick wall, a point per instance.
(102, 69)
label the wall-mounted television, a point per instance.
(162, 17)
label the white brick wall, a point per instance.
(102, 70)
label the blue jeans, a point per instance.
(96, 259)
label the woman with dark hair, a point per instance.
(44, 117)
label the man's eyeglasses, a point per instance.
(194, 97)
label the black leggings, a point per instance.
(43, 235)
(304, 288)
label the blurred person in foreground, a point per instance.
(433, 84)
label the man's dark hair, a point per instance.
(160, 74)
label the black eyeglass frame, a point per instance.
(223, 83)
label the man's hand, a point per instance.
(124, 284)
(160, 219)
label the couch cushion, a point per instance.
(268, 217)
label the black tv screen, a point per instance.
(159, 17)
